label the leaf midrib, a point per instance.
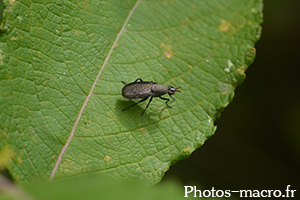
(61, 154)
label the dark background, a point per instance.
(257, 142)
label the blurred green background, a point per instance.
(257, 142)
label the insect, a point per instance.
(140, 89)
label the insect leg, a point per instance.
(167, 100)
(147, 105)
(124, 82)
(135, 103)
(139, 79)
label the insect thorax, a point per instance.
(158, 90)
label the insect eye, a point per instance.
(171, 90)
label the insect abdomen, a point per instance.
(137, 90)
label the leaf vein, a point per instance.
(90, 94)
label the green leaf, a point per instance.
(61, 66)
